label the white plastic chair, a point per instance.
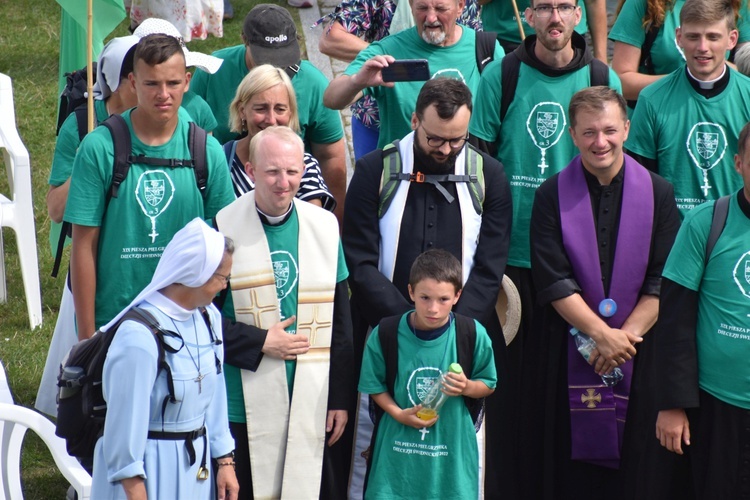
(14, 421)
(17, 212)
(5, 395)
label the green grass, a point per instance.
(29, 39)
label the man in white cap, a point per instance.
(270, 37)
(287, 406)
(121, 226)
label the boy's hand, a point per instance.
(455, 384)
(409, 418)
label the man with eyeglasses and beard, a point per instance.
(437, 192)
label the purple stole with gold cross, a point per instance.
(597, 412)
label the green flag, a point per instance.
(107, 15)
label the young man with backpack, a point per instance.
(437, 192)
(121, 225)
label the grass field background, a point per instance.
(29, 51)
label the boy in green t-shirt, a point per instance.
(408, 460)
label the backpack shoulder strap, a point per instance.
(65, 232)
(122, 151)
(718, 221)
(466, 339)
(646, 62)
(599, 73)
(389, 178)
(475, 171)
(511, 66)
(82, 120)
(388, 336)
(485, 48)
(197, 138)
(229, 150)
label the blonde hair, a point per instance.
(257, 81)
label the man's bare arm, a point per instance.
(338, 43)
(83, 277)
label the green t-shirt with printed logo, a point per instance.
(533, 139)
(723, 328)
(693, 139)
(439, 462)
(283, 245)
(152, 204)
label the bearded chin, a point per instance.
(433, 38)
(430, 165)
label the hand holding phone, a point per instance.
(406, 70)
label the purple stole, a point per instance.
(597, 412)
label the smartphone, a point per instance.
(407, 70)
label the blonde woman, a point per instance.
(265, 98)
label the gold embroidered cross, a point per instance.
(256, 309)
(591, 398)
(313, 325)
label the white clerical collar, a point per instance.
(275, 220)
(169, 307)
(708, 84)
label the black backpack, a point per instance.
(81, 408)
(718, 221)
(511, 67)
(197, 138)
(74, 96)
(466, 337)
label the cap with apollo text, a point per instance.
(270, 33)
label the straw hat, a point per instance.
(508, 309)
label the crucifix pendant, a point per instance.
(199, 380)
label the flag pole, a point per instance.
(90, 63)
(518, 19)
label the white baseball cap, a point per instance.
(154, 26)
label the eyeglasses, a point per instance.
(545, 11)
(437, 142)
(225, 278)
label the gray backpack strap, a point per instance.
(718, 221)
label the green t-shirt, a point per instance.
(283, 244)
(397, 104)
(199, 111)
(534, 133)
(439, 462)
(723, 329)
(666, 55)
(693, 139)
(153, 203)
(68, 141)
(318, 124)
(498, 16)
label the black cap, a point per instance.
(270, 33)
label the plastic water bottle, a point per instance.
(70, 382)
(436, 398)
(585, 345)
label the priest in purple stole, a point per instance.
(601, 231)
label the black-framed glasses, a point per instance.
(545, 11)
(437, 142)
(225, 278)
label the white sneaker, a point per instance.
(300, 4)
